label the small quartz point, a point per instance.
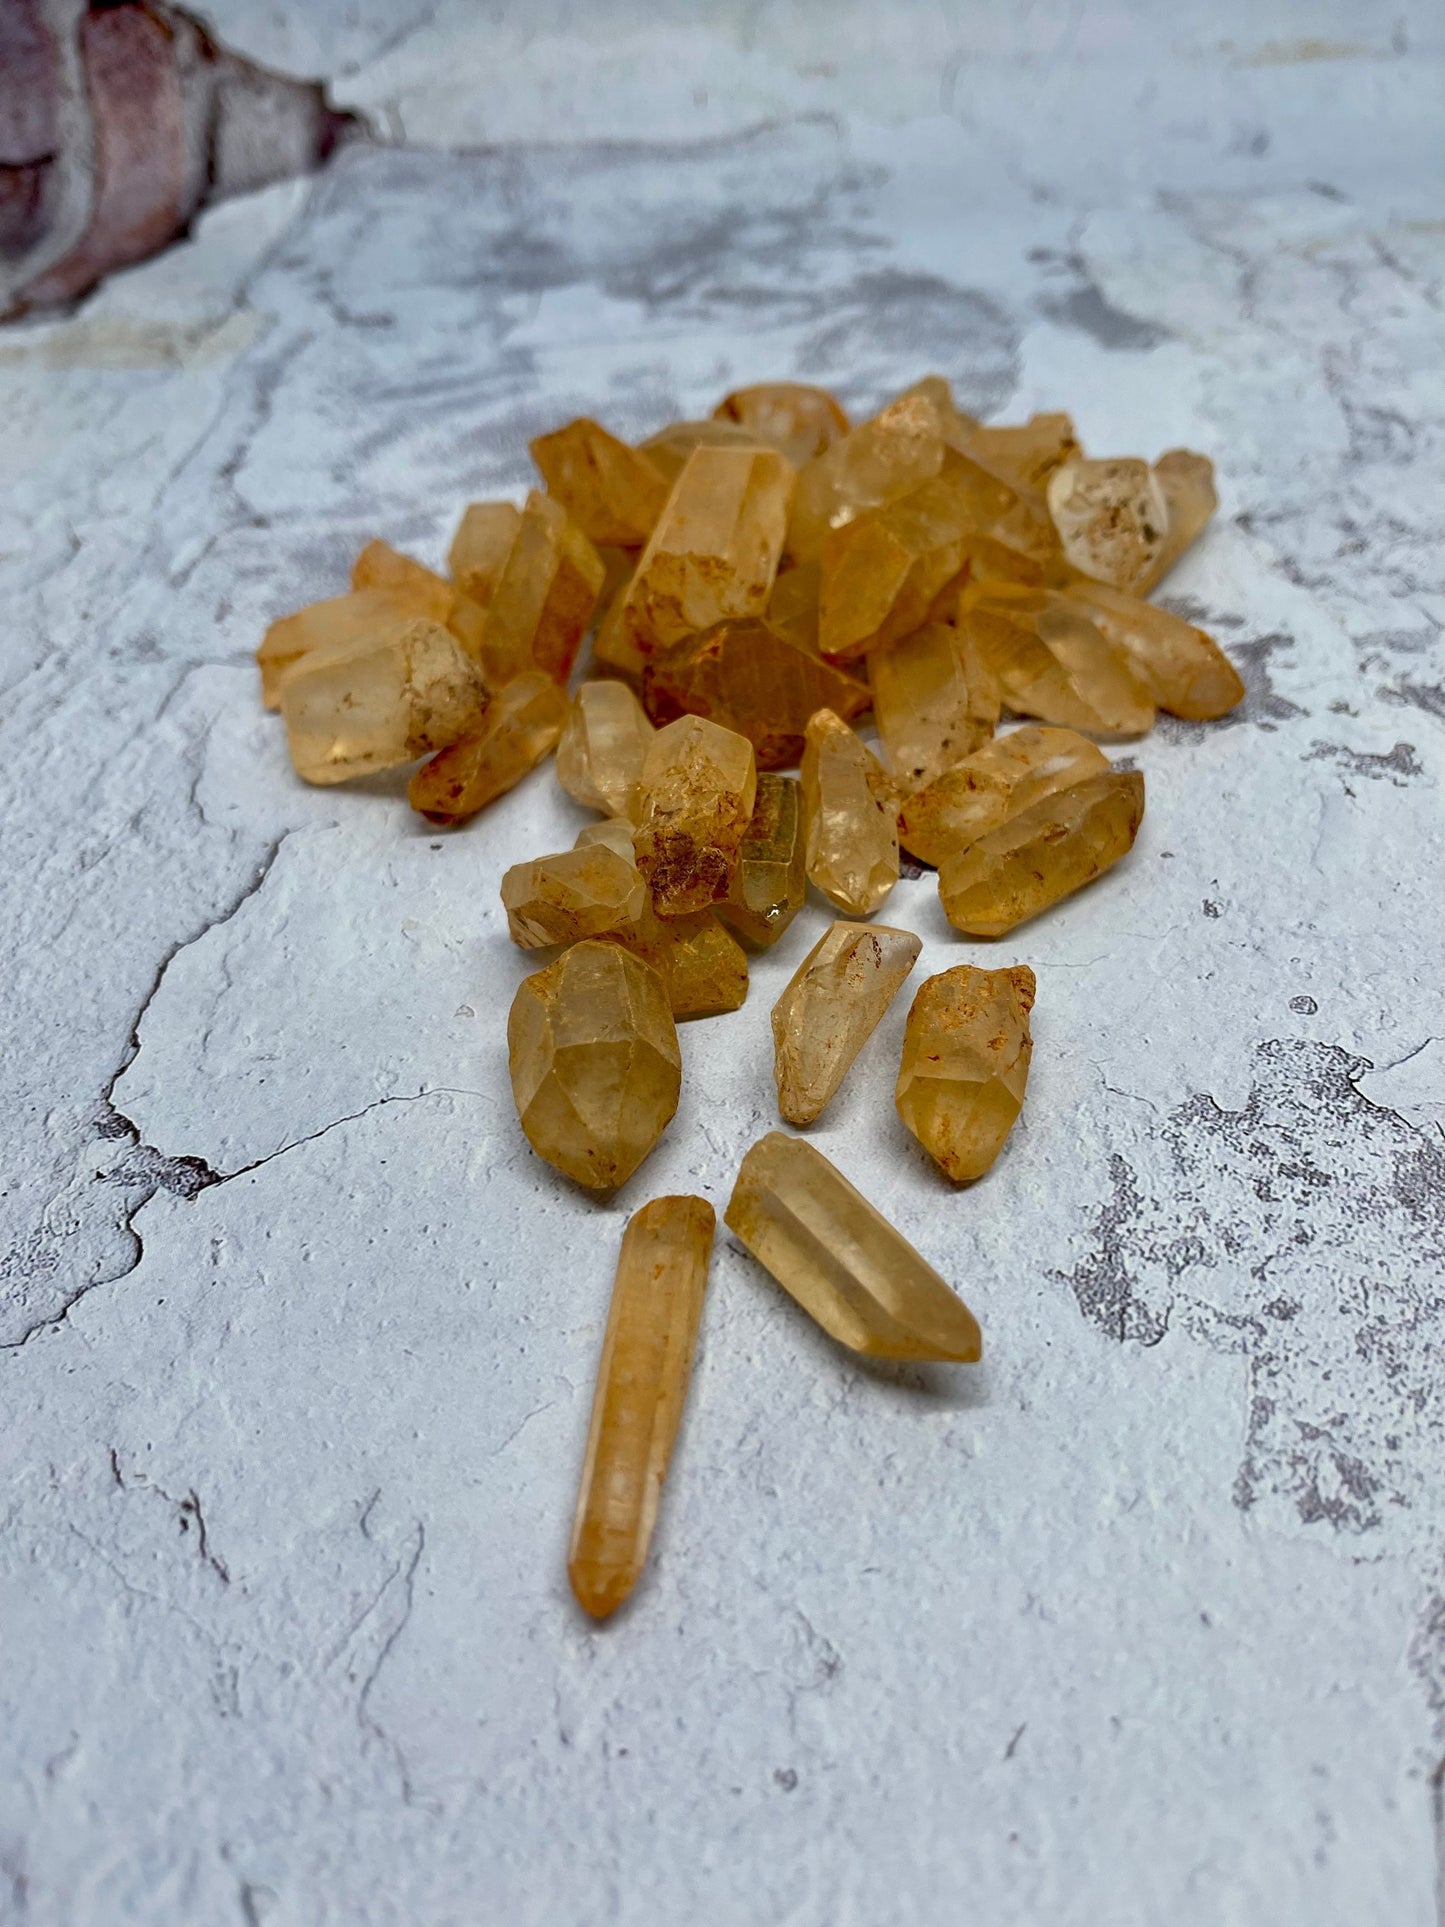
(380, 566)
(369, 705)
(480, 547)
(516, 730)
(746, 677)
(879, 460)
(1042, 855)
(671, 446)
(1186, 670)
(1186, 481)
(1112, 519)
(703, 966)
(612, 833)
(595, 1063)
(793, 606)
(850, 814)
(642, 1381)
(841, 1259)
(771, 879)
(966, 1057)
(1053, 662)
(799, 420)
(714, 552)
(570, 896)
(333, 624)
(614, 493)
(831, 1008)
(1006, 776)
(699, 785)
(600, 756)
(935, 700)
(1027, 454)
(543, 600)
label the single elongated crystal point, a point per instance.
(671, 446)
(544, 598)
(699, 784)
(333, 624)
(965, 1064)
(480, 547)
(746, 677)
(1043, 854)
(375, 703)
(572, 895)
(613, 493)
(935, 701)
(1051, 661)
(642, 1381)
(1186, 481)
(851, 817)
(1185, 669)
(799, 420)
(518, 727)
(1112, 518)
(600, 756)
(874, 463)
(714, 552)
(841, 1259)
(771, 879)
(1026, 454)
(703, 966)
(831, 1008)
(595, 1064)
(1005, 776)
(380, 566)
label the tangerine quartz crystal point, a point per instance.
(830, 1009)
(332, 624)
(771, 880)
(698, 787)
(603, 746)
(480, 547)
(1185, 669)
(595, 1063)
(1042, 855)
(642, 1380)
(1186, 481)
(671, 446)
(1052, 661)
(879, 460)
(748, 678)
(935, 701)
(798, 420)
(514, 732)
(850, 815)
(966, 1052)
(1005, 776)
(380, 566)
(1112, 519)
(839, 1257)
(543, 600)
(575, 894)
(614, 493)
(612, 833)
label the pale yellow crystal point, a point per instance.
(612, 833)
(614, 493)
(1004, 777)
(703, 966)
(966, 1055)
(595, 1063)
(748, 678)
(699, 784)
(642, 1381)
(604, 743)
(799, 420)
(1052, 661)
(380, 566)
(518, 727)
(841, 1259)
(771, 879)
(545, 596)
(480, 547)
(793, 606)
(879, 460)
(1112, 518)
(935, 701)
(1045, 853)
(572, 895)
(332, 624)
(1185, 669)
(850, 813)
(672, 445)
(830, 1009)
(1186, 481)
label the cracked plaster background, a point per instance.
(1141, 1620)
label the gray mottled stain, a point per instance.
(1089, 310)
(1395, 765)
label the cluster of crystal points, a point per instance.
(813, 645)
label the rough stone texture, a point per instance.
(1143, 1619)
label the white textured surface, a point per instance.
(1140, 1621)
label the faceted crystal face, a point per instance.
(614, 653)
(793, 606)
(380, 566)
(881, 459)
(518, 727)
(965, 1064)
(1006, 776)
(703, 966)
(1186, 481)
(480, 547)
(1026, 455)
(850, 814)
(1042, 855)
(332, 624)
(714, 552)
(671, 446)
(373, 704)
(642, 1384)
(1185, 669)
(544, 597)
(1051, 661)
(595, 1063)
(1111, 517)
(771, 879)
(799, 420)
(747, 678)
(612, 833)
(935, 700)
(831, 1008)
(841, 1260)
(575, 894)
(612, 492)
(699, 784)
(600, 756)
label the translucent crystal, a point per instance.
(966, 1055)
(1186, 481)
(1007, 775)
(714, 552)
(600, 756)
(799, 420)
(875, 462)
(1026, 454)
(831, 1008)
(703, 966)
(746, 677)
(572, 895)
(614, 493)
(375, 703)
(612, 833)
(935, 699)
(1111, 517)
(1051, 661)
(840, 1258)
(771, 879)
(519, 726)
(480, 547)
(850, 814)
(642, 1381)
(338, 621)
(699, 784)
(671, 446)
(1043, 854)
(613, 649)
(793, 606)
(543, 601)
(595, 1063)
(380, 566)
(1185, 669)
